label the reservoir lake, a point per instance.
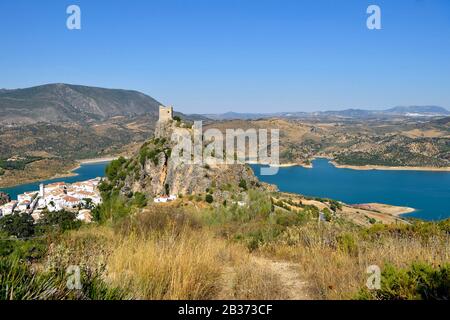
(426, 191)
(83, 173)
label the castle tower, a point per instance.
(165, 114)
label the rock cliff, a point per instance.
(156, 172)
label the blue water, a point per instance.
(426, 191)
(85, 172)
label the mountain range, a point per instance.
(54, 103)
(410, 111)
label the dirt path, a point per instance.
(296, 289)
(293, 287)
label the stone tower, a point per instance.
(165, 114)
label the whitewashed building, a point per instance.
(164, 199)
(8, 208)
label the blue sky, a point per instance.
(213, 56)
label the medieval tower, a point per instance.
(165, 114)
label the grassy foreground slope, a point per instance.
(197, 249)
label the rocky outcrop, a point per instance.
(154, 171)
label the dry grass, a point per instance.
(186, 266)
(159, 257)
(169, 254)
(256, 282)
(88, 248)
(334, 262)
(247, 279)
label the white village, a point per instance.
(79, 197)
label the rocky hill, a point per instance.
(62, 123)
(55, 103)
(357, 143)
(155, 172)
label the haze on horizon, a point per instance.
(257, 56)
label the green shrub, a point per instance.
(419, 281)
(287, 219)
(372, 220)
(60, 221)
(18, 225)
(19, 282)
(29, 250)
(114, 207)
(167, 189)
(140, 200)
(209, 198)
(113, 169)
(335, 205)
(6, 247)
(347, 243)
(243, 184)
(262, 234)
(327, 214)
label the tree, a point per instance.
(112, 170)
(209, 198)
(167, 187)
(327, 214)
(18, 225)
(243, 184)
(88, 204)
(60, 220)
(140, 200)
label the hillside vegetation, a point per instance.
(403, 143)
(55, 103)
(192, 249)
(227, 236)
(61, 123)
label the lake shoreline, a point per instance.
(97, 160)
(396, 211)
(71, 172)
(68, 174)
(381, 168)
(85, 172)
(361, 168)
(422, 194)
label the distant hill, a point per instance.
(241, 116)
(255, 116)
(55, 103)
(412, 111)
(349, 113)
(420, 110)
